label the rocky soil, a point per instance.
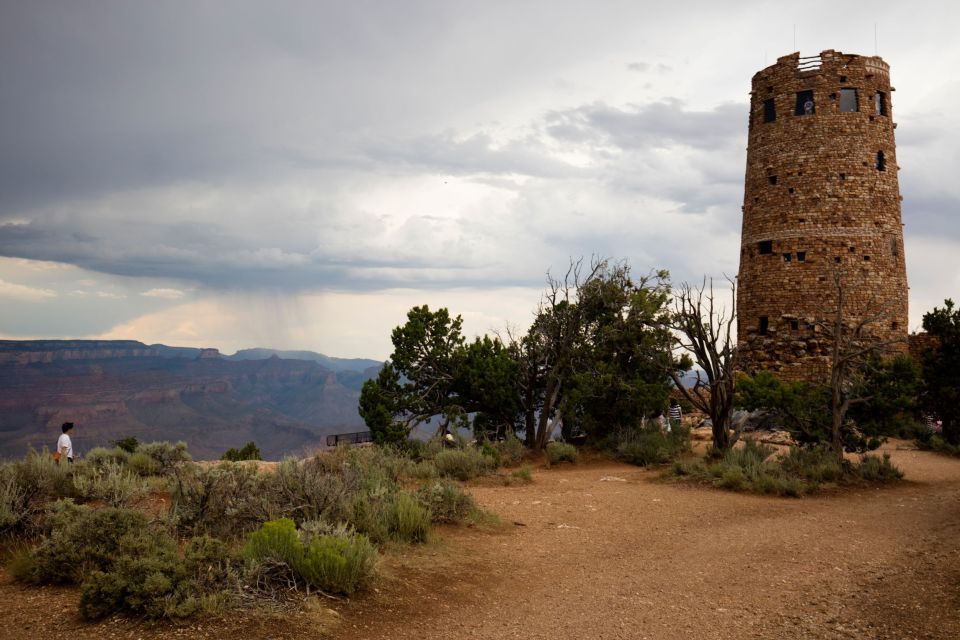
(604, 550)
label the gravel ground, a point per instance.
(604, 550)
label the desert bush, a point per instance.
(101, 456)
(653, 446)
(935, 442)
(561, 452)
(111, 483)
(334, 564)
(224, 501)
(409, 519)
(149, 576)
(142, 464)
(82, 540)
(166, 454)
(462, 464)
(43, 478)
(489, 451)
(15, 510)
(249, 451)
(446, 501)
(817, 464)
(128, 444)
(511, 449)
(874, 469)
(305, 490)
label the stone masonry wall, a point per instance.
(819, 199)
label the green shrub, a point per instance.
(732, 478)
(330, 563)
(308, 489)
(446, 501)
(462, 464)
(523, 474)
(15, 509)
(151, 577)
(224, 501)
(110, 483)
(409, 520)
(82, 540)
(561, 452)
(874, 469)
(653, 446)
(249, 451)
(142, 464)
(101, 457)
(128, 444)
(167, 455)
(935, 442)
(817, 464)
(491, 452)
(511, 449)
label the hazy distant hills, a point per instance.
(285, 401)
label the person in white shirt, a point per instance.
(64, 444)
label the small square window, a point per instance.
(852, 249)
(843, 176)
(765, 247)
(772, 179)
(866, 258)
(786, 257)
(837, 259)
(805, 105)
(794, 324)
(801, 256)
(764, 325)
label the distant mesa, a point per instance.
(286, 401)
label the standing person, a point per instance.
(675, 413)
(64, 444)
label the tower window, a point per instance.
(880, 103)
(843, 176)
(772, 179)
(765, 247)
(866, 258)
(769, 110)
(786, 257)
(805, 106)
(848, 101)
(894, 249)
(801, 256)
(764, 325)
(881, 161)
(794, 324)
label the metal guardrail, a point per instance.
(358, 437)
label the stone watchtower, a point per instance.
(821, 198)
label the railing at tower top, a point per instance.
(359, 437)
(809, 63)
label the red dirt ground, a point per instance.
(604, 550)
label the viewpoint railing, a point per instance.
(358, 437)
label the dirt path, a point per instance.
(606, 553)
(603, 551)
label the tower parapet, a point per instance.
(821, 198)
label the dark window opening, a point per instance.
(786, 257)
(794, 324)
(765, 246)
(772, 179)
(837, 259)
(801, 256)
(894, 325)
(801, 220)
(852, 249)
(894, 247)
(769, 110)
(790, 189)
(848, 101)
(866, 258)
(843, 176)
(764, 325)
(880, 102)
(881, 161)
(843, 78)
(805, 106)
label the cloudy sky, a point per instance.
(299, 174)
